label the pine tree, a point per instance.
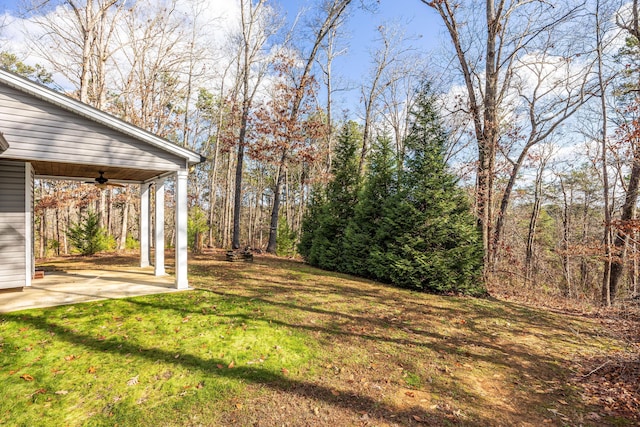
(87, 236)
(311, 222)
(286, 239)
(434, 243)
(364, 237)
(330, 218)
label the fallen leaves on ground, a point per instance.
(613, 384)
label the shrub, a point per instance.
(87, 236)
(197, 226)
(131, 242)
(286, 239)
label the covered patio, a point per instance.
(74, 286)
(47, 135)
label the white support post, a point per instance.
(144, 226)
(28, 226)
(159, 229)
(181, 230)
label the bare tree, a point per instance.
(404, 76)
(330, 17)
(541, 157)
(601, 16)
(331, 51)
(195, 71)
(77, 42)
(388, 61)
(258, 24)
(551, 90)
(513, 37)
(151, 86)
(631, 135)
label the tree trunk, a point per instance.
(608, 235)
(616, 266)
(237, 197)
(226, 226)
(109, 227)
(212, 183)
(566, 230)
(43, 227)
(125, 226)
(66, 229)
(212, 196)
(58, 231)
(533, 223)
(621, 238)
(272, 246)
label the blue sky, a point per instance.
(420, 23)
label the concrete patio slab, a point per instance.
(74, 286)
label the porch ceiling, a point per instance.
(90, 172)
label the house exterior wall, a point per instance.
(39, 130)
(15, 224)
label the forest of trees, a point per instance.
(518, 167)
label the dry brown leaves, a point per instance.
(612, 384)
(612, 381)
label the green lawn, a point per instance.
(280, 343)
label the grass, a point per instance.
(277, 342)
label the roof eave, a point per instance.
(96, 115)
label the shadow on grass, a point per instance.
(252, 375)
(516, 357)
(404, 319)
(405, 305)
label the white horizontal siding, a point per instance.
(10, 282)
(13, 280)
(13, 223)
(38, 130)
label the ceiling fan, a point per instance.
(102, 182)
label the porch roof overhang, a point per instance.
(54, 136)
(86, 169)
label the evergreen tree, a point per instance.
(197, 227)
(434, 243)
(37, 73)
(330, 220)
(365, 240)
(410, 227)
(87, 236)
(286, 238)
(311, 222)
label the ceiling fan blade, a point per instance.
(113, 184)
